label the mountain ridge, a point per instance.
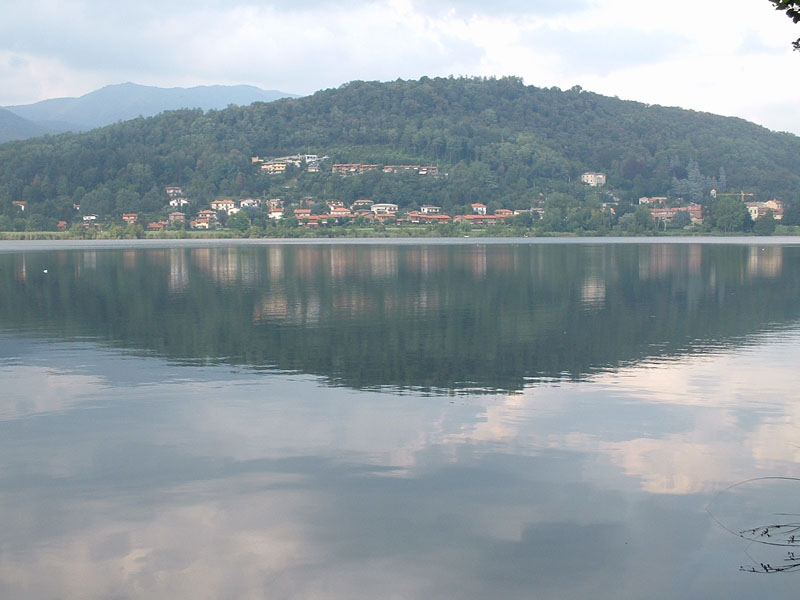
(125, 101)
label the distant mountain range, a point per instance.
(121, 102)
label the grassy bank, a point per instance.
(388, 231)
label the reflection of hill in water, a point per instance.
(409, 316)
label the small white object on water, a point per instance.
(44, 270)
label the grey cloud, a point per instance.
(182, 44)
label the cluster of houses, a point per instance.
(369, 211)
(346, 169)
(336, 212)
(661, 212)
(759, 209)
(279, 164)
(659, 206)
(665, 214)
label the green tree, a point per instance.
(791, 214)
(681, 219)
(239, 221)
(792, 10)
(77, 231)
(644, 218)
(523, 219)
(765, 224)
(730, 214)
(36, 222)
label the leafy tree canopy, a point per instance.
(792, 10)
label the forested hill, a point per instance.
(14, 127)
(497, 140)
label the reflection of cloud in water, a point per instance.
(672, 465)
(248, 486)
(205, 543)
(776, 440)
(733, 412)
(29, 391)
(678, 427)
(711, 418)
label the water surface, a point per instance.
(377, 420)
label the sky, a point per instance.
(731, 58)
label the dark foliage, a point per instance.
(792, 10)
(495, 141)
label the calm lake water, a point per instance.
(400, 420)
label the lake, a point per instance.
(462, 419)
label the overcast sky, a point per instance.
(730, 58)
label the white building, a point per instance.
(594, 179)
(229, 206)
(384, 208)
(179, 202)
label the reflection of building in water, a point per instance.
(276, 307)
(89, 260)
(500, 259)
(201, 257)
(271, 307)
(129, 259)
(20, 270)
(658, 261)
(477, 261)
(426, 300)
(352, 301)
(225, 265)
(247, 265)
(310, 311)
(765, 261)
(383, 262)
(178, 271)
(593, 292)
(343, 260)
(426, 260)
(695, 258)
(275, 260)
(306, 261)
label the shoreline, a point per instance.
(12, 246)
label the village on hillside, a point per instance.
(181, 212)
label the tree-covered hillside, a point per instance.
(494, 140)
(14, 127)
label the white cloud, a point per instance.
(732, 60)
